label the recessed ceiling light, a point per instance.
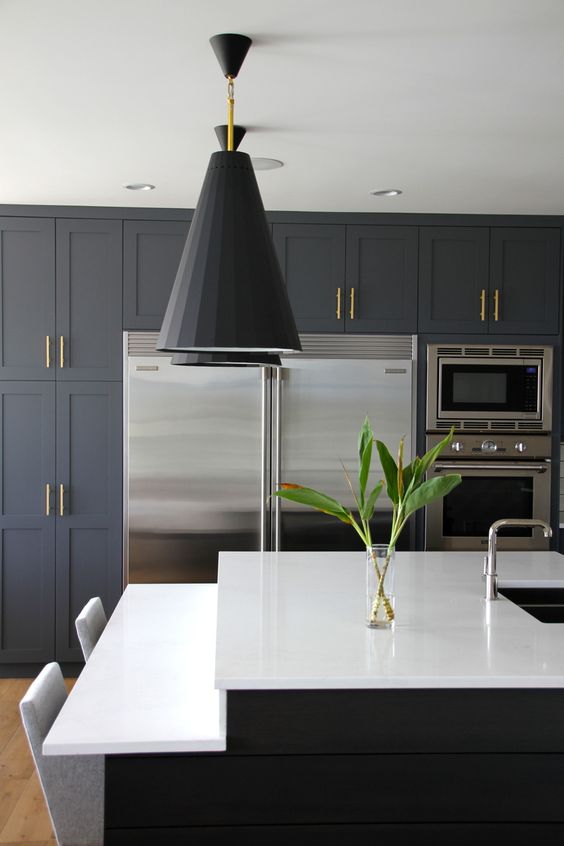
(386, 192)
(139, 186)
(266, 164)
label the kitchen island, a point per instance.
(450, 726)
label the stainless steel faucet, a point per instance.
(490, 563)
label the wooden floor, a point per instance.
(23, 814)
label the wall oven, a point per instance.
(489, 388)
(501, 477)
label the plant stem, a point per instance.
(380, 597)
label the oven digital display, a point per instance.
(509, 388)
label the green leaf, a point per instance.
(364, 470)
(315, 499)
(431, 455)
(430, 490)
(364, 436)
(370, 503)
(390, 471)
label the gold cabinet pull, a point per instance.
(351, 311)
(61, 500)
(47, 499)
(483, 304)
(47, 351)
(62, 351)
(496, 304)
(338, 312)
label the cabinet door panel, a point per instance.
(382, 271)
(89, 536)
(27, 548)
(312, 259)
(27, 292)
(152, 251)
(453, 272)
(524, 268)
(89, 300)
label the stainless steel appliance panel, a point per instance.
(321, 406)
(196, 480)
(505, 477)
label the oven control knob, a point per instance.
(457, 446)
(489, 446)
(521, 447)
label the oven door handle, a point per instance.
(541, 467)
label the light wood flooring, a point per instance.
(23, 815)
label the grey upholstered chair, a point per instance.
(73, 785)
(90, 624)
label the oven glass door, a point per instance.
(493, 389)
(461, 520)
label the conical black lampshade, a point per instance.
(226, 359)
(229, 294)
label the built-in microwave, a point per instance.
(480, 387)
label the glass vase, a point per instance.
(380, 598)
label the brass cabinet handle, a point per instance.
(496, 304)
(62, 351)
(483, 304)
(61, 500)
(338, 312)
(47, 351)
(351, 312)
(47, 499)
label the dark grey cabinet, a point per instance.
(524, 280)
(312, 260)
(60, 289)
(350, 278)
(89, 504)
(381, 276)
(89, 302)
(27, 525)
(27, 298)
(61, 512)
(496, 280)
(151, 255)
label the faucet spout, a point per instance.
(490, 561)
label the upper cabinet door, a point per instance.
(27, 292)
(312, 258)
(151, 255)
(524, 280)
(453, 279)
(381, 279)
(89, 300)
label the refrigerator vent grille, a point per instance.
(400, 347)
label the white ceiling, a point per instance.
(460, 103)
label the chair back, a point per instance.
(73, 785)
(90, 624)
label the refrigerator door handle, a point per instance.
(265, 460)
(277, 457)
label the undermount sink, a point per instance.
(544, 602)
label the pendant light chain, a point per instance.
(230, 111)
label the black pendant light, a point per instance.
(229, 294)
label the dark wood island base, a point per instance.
(342, 766)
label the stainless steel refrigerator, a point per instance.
(206, 446)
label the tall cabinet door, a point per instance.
(89, 300)
(27, 523)
(524, 279)
(27, 298)
(312, 259)
(453, 279)
(89, 496)
(381, 279)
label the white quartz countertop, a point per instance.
(296, 620)
(149, 683)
